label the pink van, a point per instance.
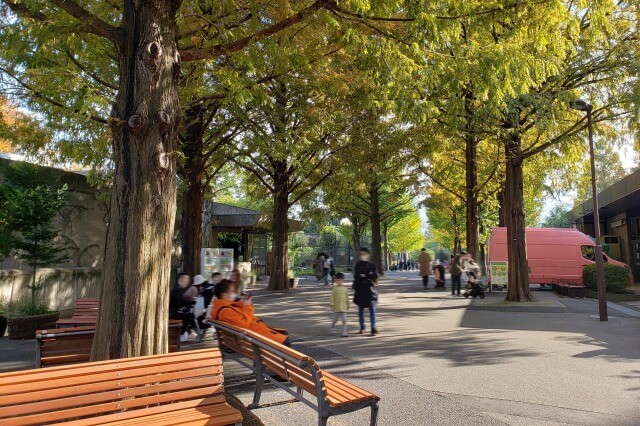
(554, 254)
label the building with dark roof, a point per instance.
(619, 220)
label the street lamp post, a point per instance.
(581, 105)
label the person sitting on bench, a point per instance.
(227, 308)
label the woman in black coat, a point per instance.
(365, 278)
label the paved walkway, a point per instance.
(443, 360)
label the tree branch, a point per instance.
(256, 174)
(195, 54)
(93, 75)
(313, 187)
(37, 95)
(89, 23)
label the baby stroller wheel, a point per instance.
(481, 295)
(466, 295)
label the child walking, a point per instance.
(339, 304)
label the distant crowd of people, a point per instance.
(461, 266)
(224, 299)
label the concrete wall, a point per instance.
(81, 223)
(61, 289)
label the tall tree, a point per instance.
(138, 41)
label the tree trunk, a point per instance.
(356, 238)
(518, 270)
(456, 233)
(279, 279)
(376, 237)
(502, 216)
(133, 316)
(385, 237)
(193, 205)
(471, 196)
(193, 200)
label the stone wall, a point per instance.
(62, 287)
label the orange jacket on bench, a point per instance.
(239, 315)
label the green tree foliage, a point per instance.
(558, 217)
(405, 234)
(26, 216)
(609, 170)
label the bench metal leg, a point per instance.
(322, 419)
(374, 414)
(258, 392)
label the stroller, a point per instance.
(473, 288)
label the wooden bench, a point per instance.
(270, 360)
(85, 313)
(170, 389)
(64, 346)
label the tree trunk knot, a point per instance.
(165, 121)
(136, 122)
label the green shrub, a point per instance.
(616, 277)
(26, 308)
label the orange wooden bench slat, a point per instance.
(106, 396)
(107, 408)
(158, 389)
(63, 392)
(151, 411)
(40, 376)
(54, 381)
(217, 414)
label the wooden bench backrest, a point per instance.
(241, 342)
(288, 367)
(86, 308)
(64, 346)
(226, 339)
(113, 388)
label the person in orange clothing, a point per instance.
(227, 308)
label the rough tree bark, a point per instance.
(385, 242)
(502, 217)
(471, 177)
(279, 279)
(356, 233)
(193, 200)
(376, 236)
(457, 245)
(192, 208)
(471, 196)
(133, 319)
(518, 270)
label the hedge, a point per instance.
(616, 277)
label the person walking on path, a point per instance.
(324, 263)
(331, 264)
(456, 275)
(339, 304)
(424, 262)
(365, 278)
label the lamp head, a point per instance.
(580, 105)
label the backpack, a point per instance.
(455, 269)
